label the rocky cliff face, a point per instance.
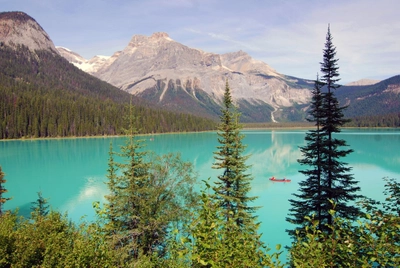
(190, 80)
(17, 28)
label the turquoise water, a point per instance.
(71, 172)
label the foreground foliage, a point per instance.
(149, 195)
(372, 241)
(214, 241)
(51, 241)
(3, 190)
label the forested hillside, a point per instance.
(43, 95)
(378, 99)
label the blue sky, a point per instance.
(287, 35)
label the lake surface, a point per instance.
(71, 172)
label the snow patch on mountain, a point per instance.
(90, 66)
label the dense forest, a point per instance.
(43, 95)
(385, 120)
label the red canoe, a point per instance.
(279, 180)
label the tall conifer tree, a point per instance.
(339, 185)
(310, 192)
(233, 241)
(128, 195)
(328, 185)
(233, 185)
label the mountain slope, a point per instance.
(43, 95)
(377, 99)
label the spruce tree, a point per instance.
(233, 185)
(338, 185)
(148, 196)
(127, 197)
(224, 230)
(40, 207)
(112, 211)
(2, 191)
(309, 197)
(328, 185)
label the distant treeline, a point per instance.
(302, 124)
(387, 120)
(43, 95)
(391, 120)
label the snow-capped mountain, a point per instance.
(186, 79)
(90, 66)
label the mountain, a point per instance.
(90, 66)
(170, 74)
(17, 28)
(163, 73)
(376, 99)
(43, 95)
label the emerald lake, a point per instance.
(71, 172)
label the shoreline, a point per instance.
(187, 132)
(102, 136)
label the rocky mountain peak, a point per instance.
(155, 40)
(159, 35)
(238, 54)
(18, 28)
(242, 62)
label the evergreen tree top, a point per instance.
(329, 66)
